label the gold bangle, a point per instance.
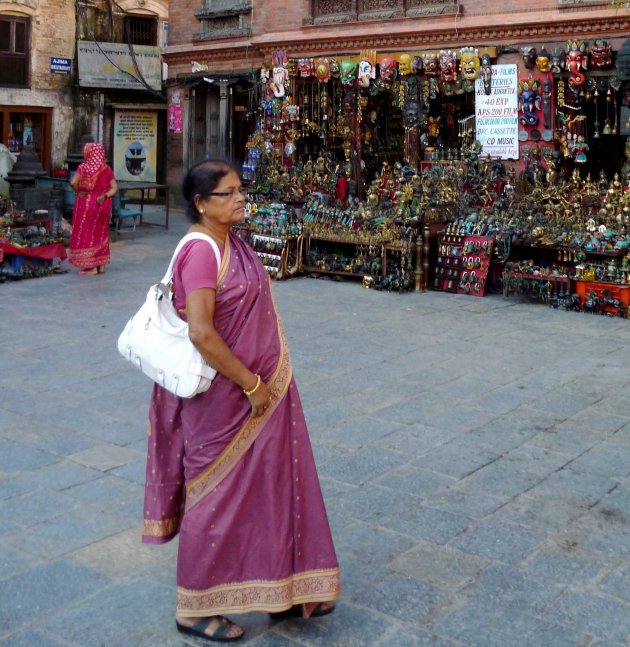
(252, 391)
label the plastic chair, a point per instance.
(119, 213)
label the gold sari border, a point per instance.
(279, 383)
(259, 595)
(163, 528)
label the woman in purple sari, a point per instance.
(231, 470)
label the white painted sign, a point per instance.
(110, 65)
(496, 114)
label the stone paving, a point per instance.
(474, 455)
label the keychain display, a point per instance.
(475, 263)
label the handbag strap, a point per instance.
(188, 237)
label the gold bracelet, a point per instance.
(250, 393)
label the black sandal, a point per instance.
(219, 635)
(296, 612)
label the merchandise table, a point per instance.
(125, 187)
(48, 252)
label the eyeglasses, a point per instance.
(228, 194)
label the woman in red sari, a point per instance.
(232, 470)
(95, 185)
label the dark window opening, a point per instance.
(141, 30)
(14, 51)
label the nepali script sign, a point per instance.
(497, 113)
(110, 65)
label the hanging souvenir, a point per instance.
(322, 70)
(431, 64)
(529, 101)
(387, 68)
(448, 66)
(335, 71)
(292, 68)
(622, 62)
(404, 64)
(366, 74)
(306, 67)
(417, 64)
(601, 55)
(529, 57)
(367, 67)
(576, 61)
(557, 60)
(543, 60)
(348, 73)
(486, 73)
(469, 63)
(280, 76)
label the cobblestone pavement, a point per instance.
(474, 455)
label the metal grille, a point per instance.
(141, 30)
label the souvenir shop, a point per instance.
(471, 170)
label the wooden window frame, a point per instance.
(11, 57)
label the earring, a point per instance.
(202, 211)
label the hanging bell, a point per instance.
(607, 129)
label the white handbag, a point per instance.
(155, 339)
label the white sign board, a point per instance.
(496, 114)
(110, 65)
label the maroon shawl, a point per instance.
(242, 492)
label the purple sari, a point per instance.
(242, 492)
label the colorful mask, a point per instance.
(367, 72)
(448, 65)
(486, 73)
(601, 55)
(417, 64)
(280, 77)
(306, 67)
(264, 74)
(279, 58)
(576, 60)
(348, 73)
(543, 60)
(404, 63)
(322, 70)
(335, 70)
(469, 63)
(557, 60)
(529, 57)
(411, 113)
(292, 68)
(387, 67)
(431, 64)
(529, 101)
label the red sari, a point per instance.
(242, 492)
(89, 241)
